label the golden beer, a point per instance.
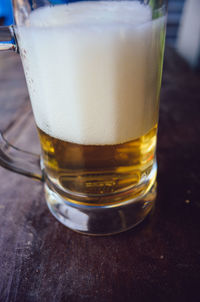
(98, 169)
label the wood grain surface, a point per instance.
(41, 260)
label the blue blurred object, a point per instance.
(6, 11)
(58, 1)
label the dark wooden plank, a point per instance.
(41, 260)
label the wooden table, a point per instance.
(41, 260)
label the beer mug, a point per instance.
(93, 71)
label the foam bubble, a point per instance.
(92, 69)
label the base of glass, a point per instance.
(100, 220)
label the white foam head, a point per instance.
(92, 70)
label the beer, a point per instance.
(98, 169)
(93, 73)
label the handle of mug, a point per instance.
(12, 158)
(7, 38)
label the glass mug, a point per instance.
(93, 71)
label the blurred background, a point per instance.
(6, 15)
(183, 27)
